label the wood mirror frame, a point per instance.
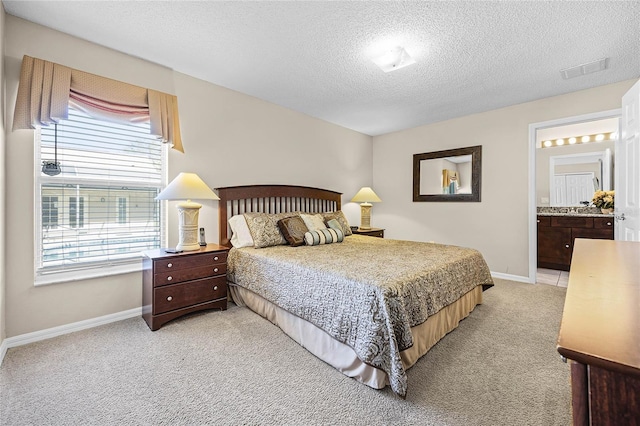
(476, 168)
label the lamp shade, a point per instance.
(366, 195)
(187, 186)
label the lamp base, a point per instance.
(188, 227)
(365, 216)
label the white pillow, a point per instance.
(240, 234)
(315, 222)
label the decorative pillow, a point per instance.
(240, 234)
(314, 222)
(323, 236)
(334, 224)
(340, 217)
(293, 230)
(264, 228)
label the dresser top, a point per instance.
(161, 254)
(601, 319)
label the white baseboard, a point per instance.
(3, 350)
(36, 336)
(24, 339)
(511, 277)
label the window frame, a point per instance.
(91, 269)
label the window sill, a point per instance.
(87, 274)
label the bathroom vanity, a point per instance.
(557, 233)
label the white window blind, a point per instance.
(100, 211)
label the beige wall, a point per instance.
(234, 139)
(2, 181)
(498, 225)
(229, 139)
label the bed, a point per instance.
(369, 307)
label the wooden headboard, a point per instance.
(271, 199)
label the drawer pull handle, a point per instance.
(169, 265)
(215, 287)
(566, 245)
(215, 257)
(169, 278)
(538, 220)
(215, 269)
(169, 298)
(608, 223)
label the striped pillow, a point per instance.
(323, 236)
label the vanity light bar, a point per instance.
(597, 137)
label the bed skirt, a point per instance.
(341, 356)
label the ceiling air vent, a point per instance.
(588, 68)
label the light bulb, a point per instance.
(559, 142)
(585, 139)
(572, 141)
(548, 143)
(600, 137)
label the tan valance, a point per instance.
(47, 89)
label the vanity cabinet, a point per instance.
(557, 234)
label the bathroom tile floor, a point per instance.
(552, 277)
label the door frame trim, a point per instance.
(533, 128)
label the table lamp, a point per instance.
(365, 196)
(187, 186)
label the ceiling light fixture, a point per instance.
(393, 59)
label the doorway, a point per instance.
(556, 138)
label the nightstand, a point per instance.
(373, 232)
(176, 284)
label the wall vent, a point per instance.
(588, 68)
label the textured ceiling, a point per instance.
(314, 57)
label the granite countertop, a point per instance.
(576, 214)
(571, 211)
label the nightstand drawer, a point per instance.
(187, 262)
(170, 297)
(189, 274)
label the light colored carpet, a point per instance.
(499, 367)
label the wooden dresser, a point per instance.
(600, 332)
(556, 235)
(175, 284)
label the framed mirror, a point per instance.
(450, 175)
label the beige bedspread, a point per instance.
(365, 292)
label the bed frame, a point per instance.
(288, 198)
(271, 199)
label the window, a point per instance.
(122, 210)
(49, 212)
(76, 212)
(100, 211)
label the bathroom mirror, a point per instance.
(450, 175)
(574, 178)
(568, 173)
